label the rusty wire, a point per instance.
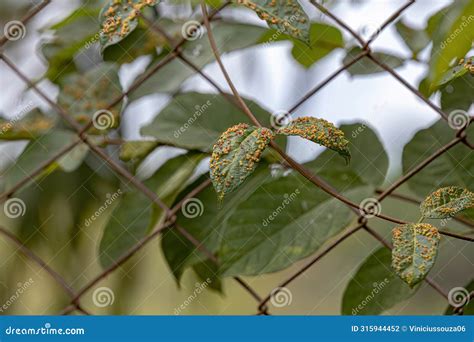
(169, 222)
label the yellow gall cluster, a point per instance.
(319, 131)
(236, 155)
(414, 251)
(121, 14)
(467, 64)
(274, 14)
(446, 202)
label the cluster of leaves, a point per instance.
(249, 231)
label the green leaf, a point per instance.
(457, 94)
(279, 225)
(375, 288)
(269, 190)
(323, 40)
(119, 18)
(229, 37)
(136, 151)
(88, 95)
(30, 126)
(453, 168)
(236, 155)
(446, 202)
(207, 272)
(136, 214)
(321, 132)
(452, 38)
(40, 150)
(287, 16)
(266, 225)
(365, 66)
(74, 158)
(142, 41)
(459, 70)
(363, 142)
(71, 35)
(458, 296)
(195, 121)
(416, 40)
(415, 247)
(178, 251)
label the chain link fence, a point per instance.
(279, 295)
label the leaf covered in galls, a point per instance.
(286, 16)
(415, 246)
(321, 132)
(236, 155)
(119, 18)
(446, 202)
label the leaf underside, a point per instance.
(287, 16)
(236, 155)
(119, 18)
(414, 251)
(446, 202)
(321, 132)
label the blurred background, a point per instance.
(271, 77)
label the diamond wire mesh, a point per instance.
(262, 307)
